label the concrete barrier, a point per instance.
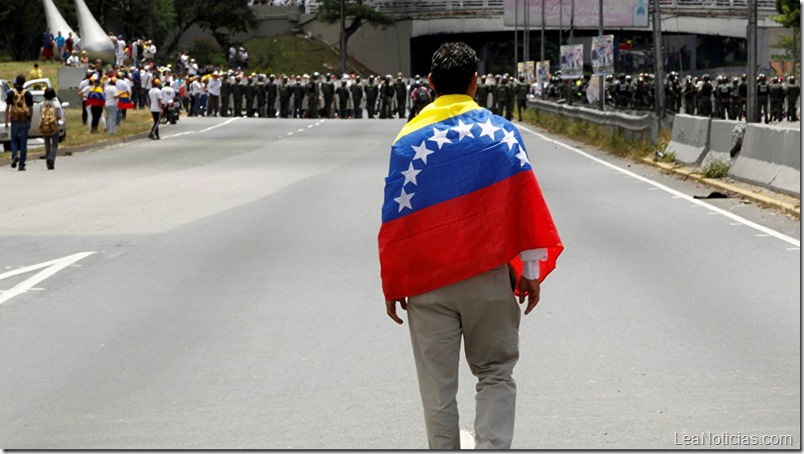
(690, 139)
(770, 157)
(725, 139)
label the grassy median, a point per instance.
(136, 122)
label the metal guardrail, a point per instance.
(643, 127)
(496, 7)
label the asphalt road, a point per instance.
(220, 289)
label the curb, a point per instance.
(66, 151)
(756, 197)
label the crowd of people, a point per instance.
(725, 97)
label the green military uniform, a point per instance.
(372, 91)
(285, 92)
(521, 93)
(238, 90)
(226, 89)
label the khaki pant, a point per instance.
(483, 311)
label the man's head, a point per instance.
(20, 81)
(453, 70)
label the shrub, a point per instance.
(716, 168)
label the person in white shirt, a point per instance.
(120, 52)
(83, 90)
(155, 96)
(123, 88)
(192, 70)
(146, 82)
(214, 89)
(149, 52)
(72, 60)
(111, 94)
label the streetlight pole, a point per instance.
(601, 92)
(751, 41)
(516, 35)
(541, 56)
(658, 62)
(343, 37)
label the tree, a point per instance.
(219, 17)
(357, 15)
(22, 42)
(790, 17)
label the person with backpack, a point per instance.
(50, 112)
(19, 110)
(419, 98)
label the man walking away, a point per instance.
(19, 109)
(49, 115)
(468, 198)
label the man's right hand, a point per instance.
(390, 308)
(530, 288)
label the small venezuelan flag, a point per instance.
(460, 199)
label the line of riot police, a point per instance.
(726, 98)
(321, 96)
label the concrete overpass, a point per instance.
(389, 50)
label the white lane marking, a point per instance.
(179, 134)
(300, 130)
(711, 214)
(735, 223)
(310, 126)
(761, 235)
(680, 195)
(467, 439)
(219, 125)
(793, 249)
(290, 133)
(50, 268)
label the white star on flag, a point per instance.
(404, 200)
(488, 129)
(463, 130)
(440, 137)
(410, 175)
(523, 158)
(421, 152)
(509, 139)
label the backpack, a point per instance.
(19, 110)
(48, 125)
(423, 95)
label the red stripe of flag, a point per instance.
(462, 241)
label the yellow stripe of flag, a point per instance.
(443, 107)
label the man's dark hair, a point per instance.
(452, 68)
(20, 81)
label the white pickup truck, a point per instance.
(37, 88)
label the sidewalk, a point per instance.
(761, 196)
(38, 152)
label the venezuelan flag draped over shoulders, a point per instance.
(96, 97)
(124, 101)
(460, 199)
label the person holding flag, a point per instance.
(463, 216)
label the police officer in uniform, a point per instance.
(271, 94)
(776, 99)
(482, 93)
(723, 97)
(343, 99)
(791, 92)
(328, 92)
(251, 94)
(386, 97)
(689, 97)
(734, 101)
(763, 91)
(298, 98)
(260, 93)
(357, 97)
(705, 97)
(372, 91)
(226, 88)
(313, 95)
(285, 92)
(238, 90)
(521, 93)
(501, 97)
(401, 90)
